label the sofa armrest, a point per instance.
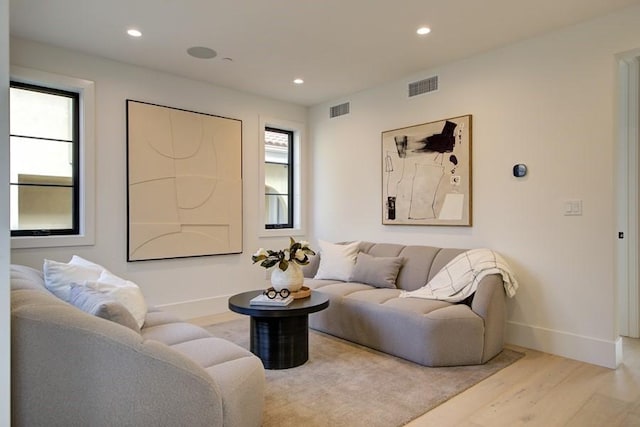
(489, 303)
(72, 370)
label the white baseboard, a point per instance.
(198, 308)
(619, 355)
(585, 349)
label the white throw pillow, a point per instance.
(76, 260)
(336, 261)
(58, 276)
(124, 291)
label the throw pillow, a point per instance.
(76, 260)
(380, 272)
(101, 305)
(336, 261)
(58, 276)
(124, 291)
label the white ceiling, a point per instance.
(337, 46)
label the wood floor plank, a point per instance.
(545, 390)
(487, 392)
(568, 397)
(630, 420)
(601, 410)
(515, 407)
(623, 384)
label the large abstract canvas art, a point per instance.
(426, 173)
(184, 183)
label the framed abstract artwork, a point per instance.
(184, 183)
(426, 173)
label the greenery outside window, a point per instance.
(279, 178)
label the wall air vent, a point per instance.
(339, 110)
(423, 86)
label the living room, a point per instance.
(548, 101)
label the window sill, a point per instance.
(28, 242)
(281, 232)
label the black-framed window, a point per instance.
(278, 178)
(44, 167)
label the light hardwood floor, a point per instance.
(540, 390)
(545, 390)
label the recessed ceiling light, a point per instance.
(134, 33)
(201, 52)
(423, 31)
(298, 81)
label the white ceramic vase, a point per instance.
(291, 279)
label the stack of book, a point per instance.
(265, 300)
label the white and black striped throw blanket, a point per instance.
(460, 277)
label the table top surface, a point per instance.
(240, 303)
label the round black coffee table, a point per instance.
(279, 335)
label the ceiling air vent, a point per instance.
(339, 110)
(423, 86)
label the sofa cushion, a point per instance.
(210, 351)
(318, 284)
(174, 333)
(390, 298)
(416, 305)
(382, 249)
(374, 295)
(336, 261)
(416, 266)
(101, 305)
(380, 272)
(156, 317)
(336, 289)
(441, 259)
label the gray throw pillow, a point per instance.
(380, 272)
(101, 305)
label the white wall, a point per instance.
(192, 286)
(547, 102)
(5, 327)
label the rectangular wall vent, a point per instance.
(339, 110)
(423, 86)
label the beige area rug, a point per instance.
(344, 384)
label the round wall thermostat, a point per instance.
(519, 170)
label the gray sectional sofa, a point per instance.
(70, 368)
(428, 332)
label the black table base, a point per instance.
(279, 334)
(280, 342)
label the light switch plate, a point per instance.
(573, 207)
